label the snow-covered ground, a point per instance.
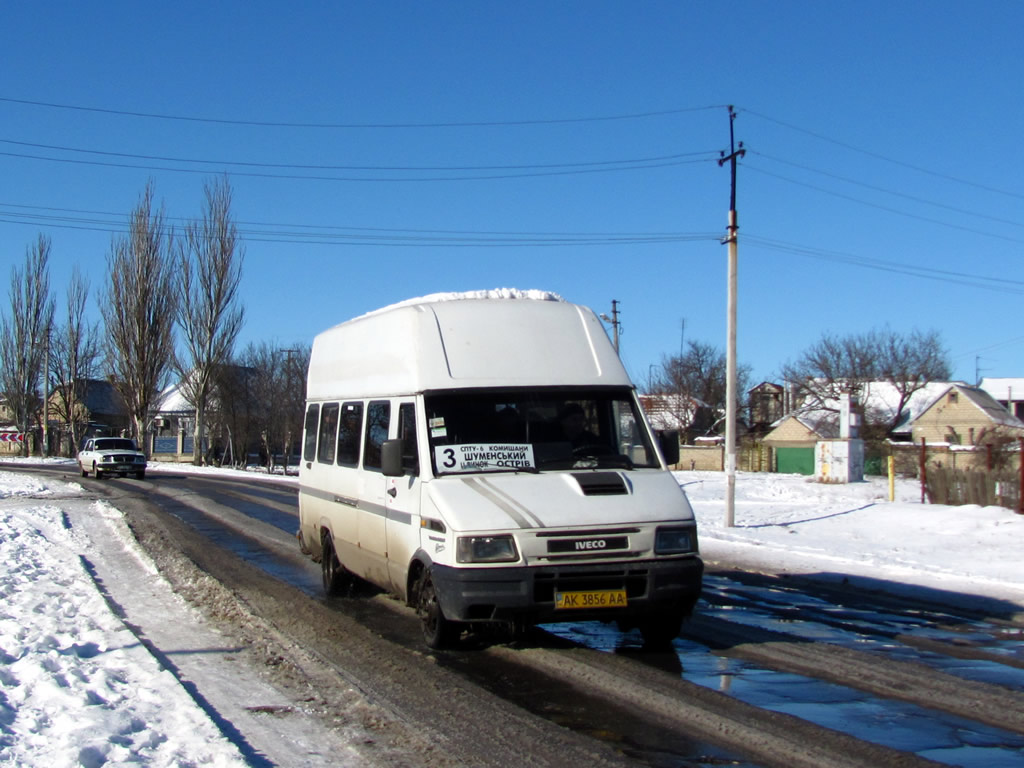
(792, 524)
(78, 687)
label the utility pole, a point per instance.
(730, 355)
(614, 322)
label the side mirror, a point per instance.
(391, 458)
(668, 441)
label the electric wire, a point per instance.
(885, 208)
(295, 124)
(315, 177)
(707, 154)
(337, 235)
(879, 156)
(998, 284)
(892, 192)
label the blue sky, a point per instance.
(380, 151)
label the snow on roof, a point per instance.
(1003, 388)
(880, 400)
(992, 408)
(172, 400)
(532, 294)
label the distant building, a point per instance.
(766, 405)
(964, 415)
(1008, 392)
(99, 409)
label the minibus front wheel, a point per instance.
(336, 577)
(438, 631)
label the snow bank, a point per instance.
(792, 524)
(76, 686)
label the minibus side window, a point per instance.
(348, 435)
(378, 419)
(312, 418)
(328, 428)
(407, 434)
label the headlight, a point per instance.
(675, 541)
(486, 549)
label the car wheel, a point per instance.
(85, 472)
(438, 630)
(96, 471)
(141, 474)
(336, 577)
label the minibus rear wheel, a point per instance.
(439, 632)
(336, 577)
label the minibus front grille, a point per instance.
(574, 557)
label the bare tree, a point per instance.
(910, 363)
(831, 366)
(697, 379)
(74, 360)
(209, 315)
(139, 309)
(834, 365)
(277, 390)
(24, 335)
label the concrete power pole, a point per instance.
(614, 322)
(730, 354)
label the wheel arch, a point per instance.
(419, 565)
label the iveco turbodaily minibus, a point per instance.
(486, 460)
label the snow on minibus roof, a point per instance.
(532, 294)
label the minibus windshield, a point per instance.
(532, 430)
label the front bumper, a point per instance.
(123, 465)
(528, 593)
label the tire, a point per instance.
(659, 631)
(85, 472)
(337, 580)
(141, 474)
(439, 632)
(96, 471)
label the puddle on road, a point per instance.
(305, 576)
(928, 733)
(283, 521)
(810, 618)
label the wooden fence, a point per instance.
(965, 486)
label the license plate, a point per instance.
(608, 598)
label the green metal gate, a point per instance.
(799, 461)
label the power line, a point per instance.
(270, 232)
(297, 124)
(251, 164)
(879, 156)
(886, 191)
(313, 177)
(999, 284)
(886, 208)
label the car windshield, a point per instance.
(115, 444)
(536, 429)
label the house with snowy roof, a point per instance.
(1008, 392)
(964, 415)
(952, 413)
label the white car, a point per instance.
(110, 456)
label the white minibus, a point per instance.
(484, 457)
